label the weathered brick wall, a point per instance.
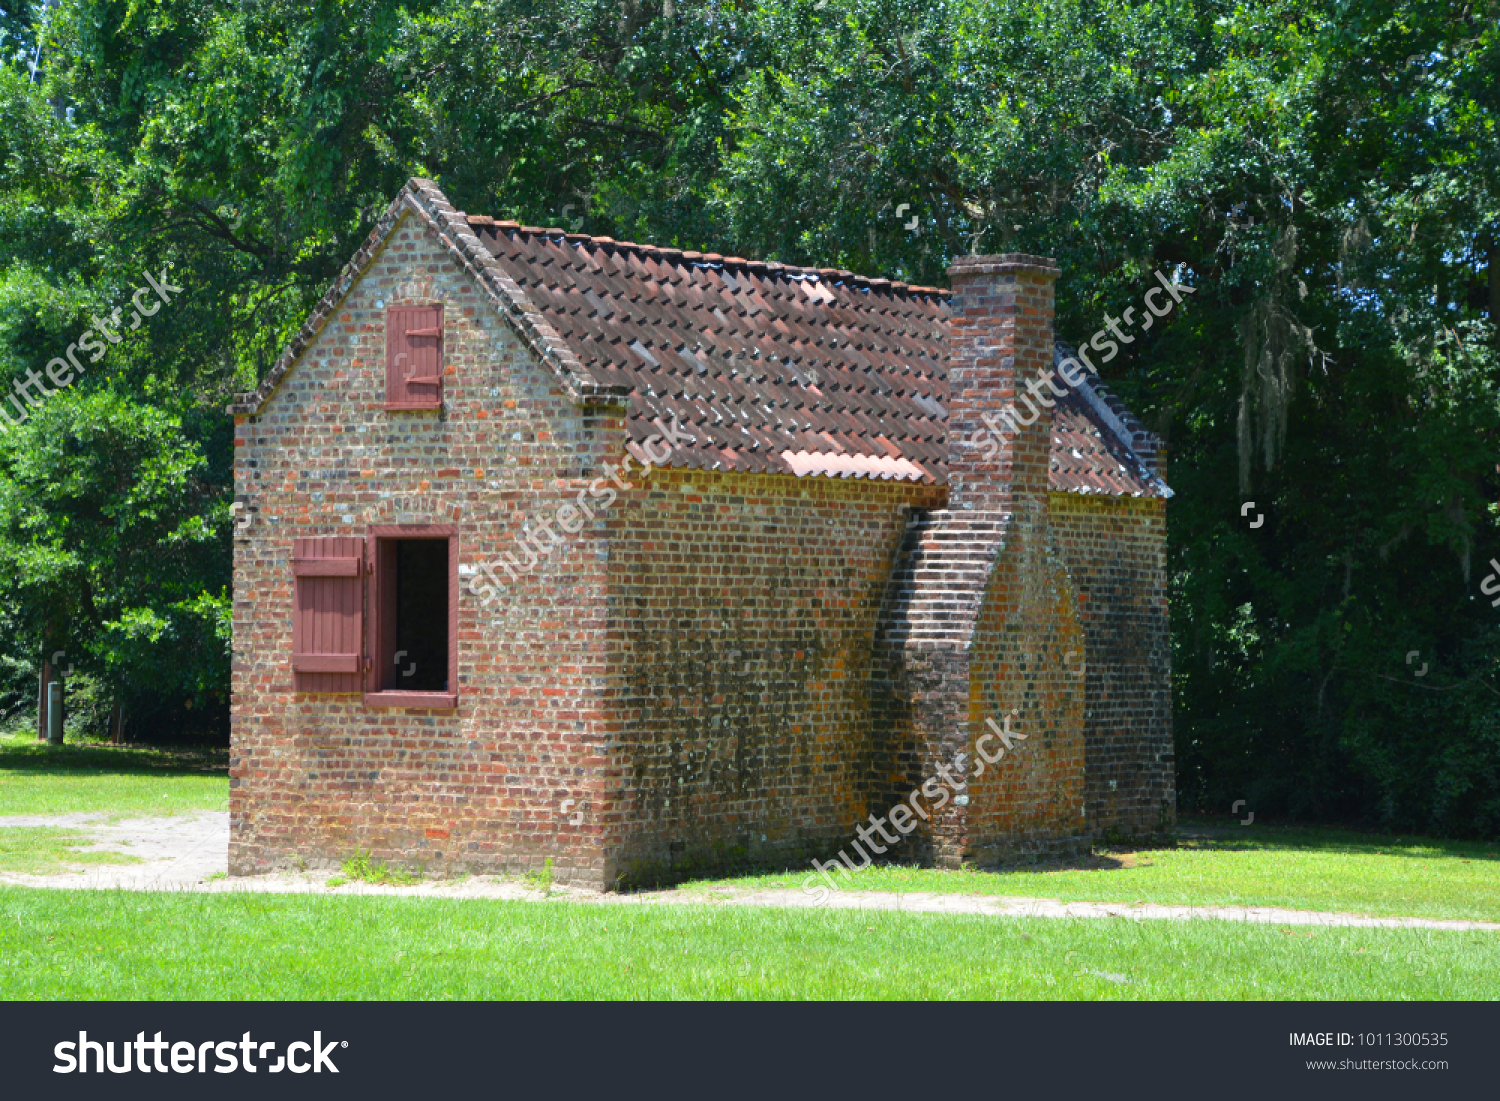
(742, 613)
(315, 777)
(920, 724)
(699, 670)
(980, 625)
(1115, 549)
(1001, 339)
(1029, 804)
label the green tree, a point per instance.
(1324, 174)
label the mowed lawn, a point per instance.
(1282, 866)
(123, 781)
(128, 945)
(144, 945)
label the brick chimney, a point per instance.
(999, 410)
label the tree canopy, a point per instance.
(1325, 173)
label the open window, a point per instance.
(414, 357)
(378, 615)
(413, 616)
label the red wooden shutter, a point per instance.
(414, 357)
(328, 616)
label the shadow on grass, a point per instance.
(43, 759)
(1228, 835)
(1203, 834)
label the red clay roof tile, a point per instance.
(813, 372)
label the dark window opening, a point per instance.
(419, 659)
(413, 616)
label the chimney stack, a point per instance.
(999, 364)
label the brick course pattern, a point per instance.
(742, 613)
(316, 777)
(721, 668)
(984, 614)
(1115, 551)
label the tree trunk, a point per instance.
(49, 674)
(43, 680)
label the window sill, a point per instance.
(434, 700)
(417, 406)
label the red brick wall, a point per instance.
(986, 620)
(1002, 338)
(697, 669)
(702, 672)
(1115, 549)
(1030, 802)
(742, 611)
(315, 777)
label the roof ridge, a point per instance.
(454, 229)
(1143, 444)
(773, 382)
(711, 259)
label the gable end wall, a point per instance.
(315, 777)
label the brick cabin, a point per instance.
(726, 645)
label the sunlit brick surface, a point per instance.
(316, 777)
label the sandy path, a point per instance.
(176, 853)
(180, 853)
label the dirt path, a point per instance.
(176, 853)
(181, 853)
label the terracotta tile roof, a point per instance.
(759, 362)
(813, 372)
(1098, 445)
(767, 367)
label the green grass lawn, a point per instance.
(36, 778)
(117, 944)
(1293, 867)
(45, 850)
